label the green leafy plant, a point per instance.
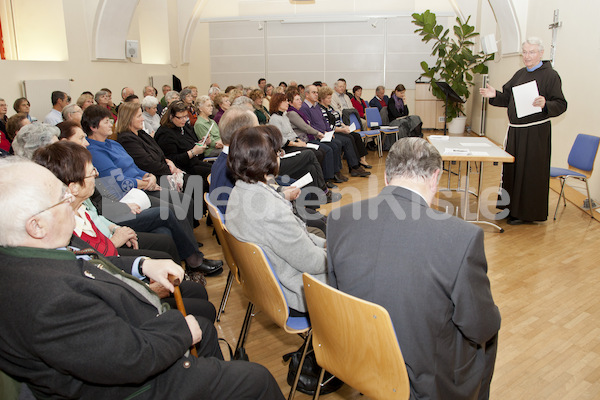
(456, 63)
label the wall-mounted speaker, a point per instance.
(132, 48)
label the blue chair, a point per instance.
(375, 134)
(263, 291)
(374, 122)
(581, 164)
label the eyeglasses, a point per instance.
(184, 117)
(530, 53)
(67, 197)
(94, 174)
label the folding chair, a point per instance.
(581, 164)
(355, 340)
(263, 290)
(219, 224)
(375, 134)
(374, 122)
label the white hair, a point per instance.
(33, 136)
(203, 99)
(68, 110)
(22, 196)
(149, 102)
(214, 90)
(170, 94)
(534, 41)
(240, 101)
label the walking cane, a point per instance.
(180, 306)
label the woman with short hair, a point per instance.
(85, 100)
(357, 102)
(103, 99)
(222, 102)
(206, 126)
(150, 113)
(188, 99)
(22, 105)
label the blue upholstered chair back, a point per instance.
(583, 152)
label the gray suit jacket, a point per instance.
(256, 213)
(429, 271)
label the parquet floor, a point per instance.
(545, 279)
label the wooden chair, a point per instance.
(263, 291)
(355, 340)
(218, 221)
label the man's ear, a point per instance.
(37, 227)
(435, 180)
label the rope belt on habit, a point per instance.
(529, 124)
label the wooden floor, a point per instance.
(545, 279)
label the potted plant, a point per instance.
(456, 63)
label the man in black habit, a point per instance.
(529, 138)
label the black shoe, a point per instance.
(339, 178)
(200, 244)
(515, 221)
(331, 185)
(209, 267)
(359, 172)
(333, 197)
(367, 166)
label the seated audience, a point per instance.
(206, 126)
(340, 100)
(151, 220)
(268, 93)
(222, 103)
(73, 113)
(380, 99)
(409, 125)
(438, 296)
(357, 102)
(163, 101)
(170, 97)
(85, 100)
(22, 105)
(150, 114)
(59, 101)
(283, 236)
(307, 133)
(259, 109)
(279, 119)
(14, 125)
(65, 302)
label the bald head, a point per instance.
(28, 190)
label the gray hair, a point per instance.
(184, 93)
(214, 90)
(380, 88)
(534, 41)
(100, 94)
(149, 102)
(170, 94)
(241, 101)
(412, 158)
(68, 110)
(22, 196)
(203, 99)
(234, 119)
(33, 136)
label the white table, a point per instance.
(470, 149)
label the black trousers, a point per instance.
(205, 377)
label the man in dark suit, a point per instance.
(428, 269)
(380, 99)
(79, 325)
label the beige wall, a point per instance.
(576, 56)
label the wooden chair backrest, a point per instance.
(259, 283)
(355, 340)
(218, 223)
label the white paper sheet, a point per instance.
(305, 180)
(312, 146)
(138, 197)
(292, 154)
(457, 152)
(352, 127)
(524, 95)
(439, 137)
(328, 136)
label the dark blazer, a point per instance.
(72, 327)
(393, 113)
(175, 143)
(220, 177)
(146, 153)
(428, 269)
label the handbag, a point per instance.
(309, 376)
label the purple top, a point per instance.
(315, 116)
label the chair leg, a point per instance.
(380, 144)
(245, 328)
(562, 190)
(295, 385)
(589, 198)
(319, 383)
(225, 296)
